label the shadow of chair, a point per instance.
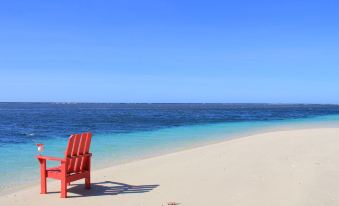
(108, 188)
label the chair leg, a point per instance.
(88, 182)
(43, 178)
(43, 185)
(63, 193)
(88, 178)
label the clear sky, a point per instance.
(170, 51)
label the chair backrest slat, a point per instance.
(80, 152)
(78, 145)
(71, 164)
(85, 163)
(68, 152)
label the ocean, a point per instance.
(126, 132)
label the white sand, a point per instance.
(298, 167)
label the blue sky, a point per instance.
(170, 51)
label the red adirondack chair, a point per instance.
(74, 166)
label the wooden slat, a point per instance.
(77, 176)
(88, 142)
(84, 162)
(69, 146)
(80, 152)
(74, 153)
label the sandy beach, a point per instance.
(297, 167)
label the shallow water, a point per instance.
(124, 132)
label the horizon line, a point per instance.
(83, 102)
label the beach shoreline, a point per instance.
(175, 161)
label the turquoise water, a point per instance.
(126, 132)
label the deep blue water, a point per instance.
(24, 122)
(127, 131)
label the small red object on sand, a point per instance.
(173, 203)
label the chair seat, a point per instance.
(54, 169)
(58, 170)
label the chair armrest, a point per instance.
(40, 157)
